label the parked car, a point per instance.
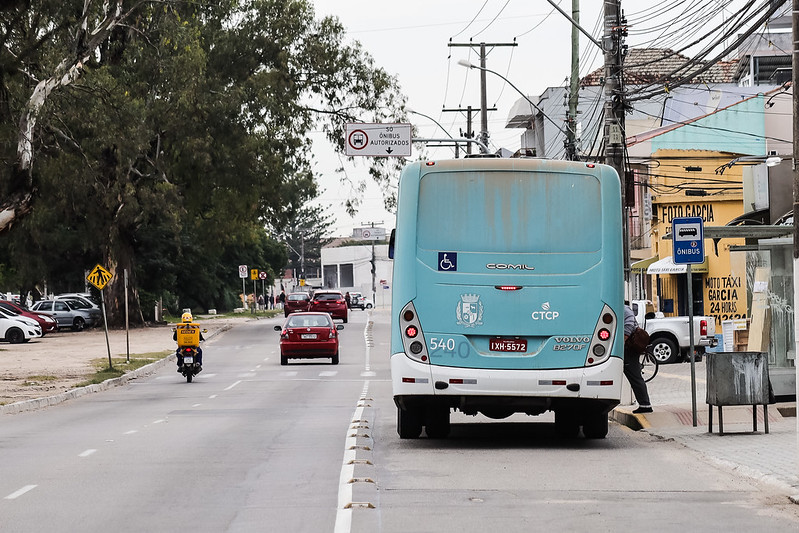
(670, 336)
(47, 322)
(296, 302)
(359, 301)
(331, 302)
(306, 335)
(83, 297)
(68, 314)
(18, 329)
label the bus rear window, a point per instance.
(516, 212)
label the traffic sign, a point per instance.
(378, 140)
(242, 271)
(99, 277)
(262, 274)
(254, 274)
(688, 238)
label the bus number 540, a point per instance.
(445, 345)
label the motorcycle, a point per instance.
(191, 366)
(188, 337)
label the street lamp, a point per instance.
(770, 161)
(467, 64)
(409, 110)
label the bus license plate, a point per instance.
(507, 345)
(307, 336)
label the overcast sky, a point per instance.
(410, 38)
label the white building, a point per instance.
(349, 268)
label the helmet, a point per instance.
(186, 317)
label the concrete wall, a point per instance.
(360, 257)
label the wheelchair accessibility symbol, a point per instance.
(447, 261)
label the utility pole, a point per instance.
(483, 95)
(469, 133)
(614, 136)
(373, 261)
(795, 78)
(571, 117)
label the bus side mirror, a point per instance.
(391, 244)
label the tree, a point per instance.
(179, 136)
(307, 231)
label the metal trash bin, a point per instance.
(737, 378)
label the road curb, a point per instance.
(625, 417)
(49, 401)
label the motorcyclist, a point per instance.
(185, 320)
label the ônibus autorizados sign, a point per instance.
(378, 140)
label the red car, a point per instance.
(331, 302)
(46, 321)
(296, 302)
(308, 336)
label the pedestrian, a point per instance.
(282, 298)
(261, 302)
(632, 363)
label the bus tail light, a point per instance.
(412, 336)
(703, 327)
(602, 339)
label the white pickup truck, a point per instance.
(669, 336)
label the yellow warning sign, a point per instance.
(99, 277)
(253, 274)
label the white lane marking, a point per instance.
(266, 359)
(197, 405)
(211, 397)
(328, 373)
(87, 453)
(343, 515)
(230, 387)
(368, 339)
(159, 421)
(20, 492)
(131, 432)
(257, 366)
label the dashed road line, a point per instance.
(231, 386)
(87, 453)
(16, 494)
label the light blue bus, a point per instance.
(507, 293)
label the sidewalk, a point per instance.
(772, 458)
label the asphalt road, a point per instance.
(251, 445)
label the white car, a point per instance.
(18, 329)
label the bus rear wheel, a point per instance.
(596, 426)
(566, 424)
(437, 424)
(409, 424)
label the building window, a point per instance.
(347, 279)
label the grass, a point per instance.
(31, 381)
(120, 366)
(269, 313)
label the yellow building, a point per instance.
(685, 183)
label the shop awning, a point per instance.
(667, 266)
(639, 267)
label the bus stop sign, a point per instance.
(688, 238)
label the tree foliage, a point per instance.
(173, 141)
